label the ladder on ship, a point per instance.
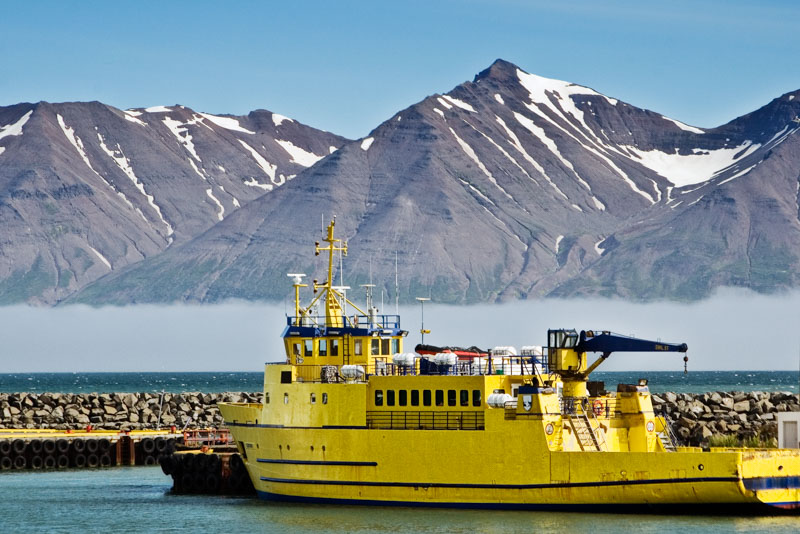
(346, 349)
(588, 439)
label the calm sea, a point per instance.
(659, 381)
(137, 499)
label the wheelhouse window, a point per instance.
(296, 351)
(395, 346)
(308, 345)
(378, 397)
(323, 347)
(334, 347)
(376, 347)
(357, 347)
(385, 346)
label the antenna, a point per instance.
(396, 291)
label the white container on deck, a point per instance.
(444, 358)
(352, 372)
(499, 400)
(404, 359)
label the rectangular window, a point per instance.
(385, 346)
(308, 347)
(334, 347)
(464, 397)
(476, 397)
(376, 347)
(323, 347)
(451, 397)
(426, 397)
(378, 397)
(402, 397)
(395, 346)
(296, 351)
(389, 397)
(357, 347)
(439, 397)
(414, 397)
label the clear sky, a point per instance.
(345, 66)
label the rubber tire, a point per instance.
(106, 460)
(187, 483)
(213, 463)
(187, 462)
(200, 462)
(236, 463)
(18, 446)
(20, 462)
(79, 446)
(92, 446)
(6, 463)
(5, 447)
(148, 445)
(79, 461)
(35, 446)
(211, 483)
(199, 482)
(49, 446)
(150, 460)
(103, 445)
(62, 446)
(92, 460)
(161, 445)
(49, 462)
(62, 462)
(37, 462)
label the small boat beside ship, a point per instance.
(350, 417)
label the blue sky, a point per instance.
(345, 66)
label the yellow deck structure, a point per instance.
(351, 418)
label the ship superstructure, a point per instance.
(349, 416)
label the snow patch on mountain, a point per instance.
(279, 119)
(132, 116)
(299, 155)
(228, 123)
(688, 169)
(16, 127)
(124, 165)
(181, 132)
(474, 157)
(459, 103)
(101, 257)
(221, 214)
(499, 98)
(268, 168)
(538, 87)
(683, 126)
(157, 109)
(366, 143)
(558, 242)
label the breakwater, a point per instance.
(115, 411)
(694, 417)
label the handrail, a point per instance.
(385, 321)
(426, 420)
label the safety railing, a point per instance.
(439, 420)
(373, 322)
(598, 406)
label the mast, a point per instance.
(334, 315)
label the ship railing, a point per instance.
(373, 322)
(427, 420)
(607, 407)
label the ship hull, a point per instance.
(494, 470)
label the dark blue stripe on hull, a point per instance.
(315, 462)
(643, 508)
(763, 483)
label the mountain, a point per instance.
(514, 186)
(87, 189)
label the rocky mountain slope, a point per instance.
(87, 189)
(514, 186)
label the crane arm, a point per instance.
(606, 342)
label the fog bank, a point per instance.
(730, 331)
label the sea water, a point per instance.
(659, 381)
(138, 499)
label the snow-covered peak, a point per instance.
(539, 86)
(16, 127)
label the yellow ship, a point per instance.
(352, 418)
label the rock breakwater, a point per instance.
(115, 411)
